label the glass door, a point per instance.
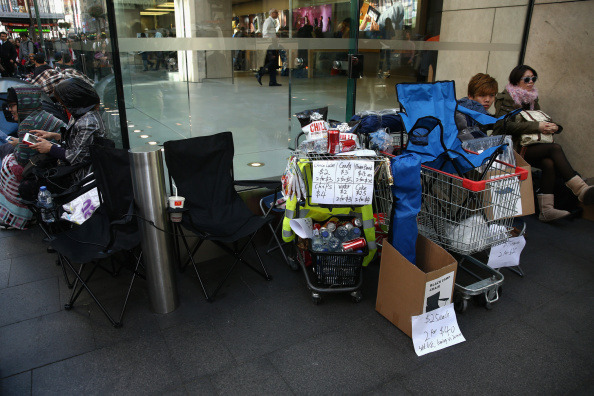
(321, 38)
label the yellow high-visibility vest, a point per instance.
(294, 210)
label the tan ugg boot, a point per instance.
(584, 192)
(547, 210)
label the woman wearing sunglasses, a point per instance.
(521, 92)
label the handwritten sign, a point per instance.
(435, 330)
(342, 182)
(507, 254)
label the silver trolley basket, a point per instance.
(467, 217)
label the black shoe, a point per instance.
(274, 85)
(259, 78)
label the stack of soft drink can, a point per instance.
(338, 236)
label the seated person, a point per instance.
(24, 103)
(520, 92)
(482, 89)
(81, 100)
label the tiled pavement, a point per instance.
(268, 338)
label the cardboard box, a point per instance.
(406, 290)
(526, 189)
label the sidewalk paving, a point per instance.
(263, 337)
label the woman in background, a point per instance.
(521, 92)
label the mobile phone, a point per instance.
(374, 13)
(29, 139)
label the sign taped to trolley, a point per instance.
(342, 182)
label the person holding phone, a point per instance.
(24, 103)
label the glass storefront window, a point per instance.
(188, 68)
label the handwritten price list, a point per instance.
(342, 182)
(435, 330)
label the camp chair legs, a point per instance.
(237, 253)
(77, 289)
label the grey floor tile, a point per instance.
(4, 273)
(511, 359)
(29, 300)
(200, 386)
(256, 377)
(197, 349)
(43, 340)
(392, 387)
(33, 267)
(16, 385)
(343, 361)
(569, 318)
(22, 243)
(270, 324)
(142, 366)
(138, 321)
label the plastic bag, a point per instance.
(380, 139)
(314, 122)
(81, 208)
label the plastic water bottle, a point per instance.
(317, 242)
(355, 233)
(343, 231)
(46, 204)
(334, 244)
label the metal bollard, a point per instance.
(148, 178)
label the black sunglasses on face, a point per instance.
(528, 79)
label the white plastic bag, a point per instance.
(82, 207)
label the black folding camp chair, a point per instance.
(111, 229)
(202, 169)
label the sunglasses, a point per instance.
(528, 79)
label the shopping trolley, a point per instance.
(468, 216)
(333, 272)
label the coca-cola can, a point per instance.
(333, 141)
(358, 243)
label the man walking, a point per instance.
(269, 30)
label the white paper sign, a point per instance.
(507, 254)
(342, 182)
(436, 330)
(438, 292)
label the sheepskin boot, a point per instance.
(547, 209)
(584, 192)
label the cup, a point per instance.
(176, 202)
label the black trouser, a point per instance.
(550, 158)
(270, 65)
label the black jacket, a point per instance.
(8, 52)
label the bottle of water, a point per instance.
(343, 231)
(333, 244)
(355, 233)
(317, 242)
(44, 198)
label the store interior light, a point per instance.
(144, 136)
(143, 13)
(158, 9)
(256, 164)
(153, 143)
(169, 4)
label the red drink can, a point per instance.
(333, 141)
(348, 145)
(358, 243)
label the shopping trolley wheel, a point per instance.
(67, 307)
(316, 298)
(293, 264)
(460, 303)
(357, 296)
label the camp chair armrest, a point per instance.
(268, 184)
